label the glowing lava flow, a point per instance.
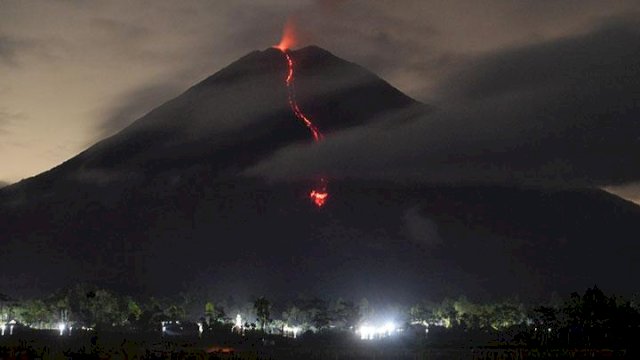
(319, 194)
(317, 136)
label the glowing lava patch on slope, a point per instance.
(319, 194)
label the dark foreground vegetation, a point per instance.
(88, 323)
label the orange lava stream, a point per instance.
(317, 136)
(319, 194)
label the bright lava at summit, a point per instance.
(318, 194)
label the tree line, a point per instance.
(588, 319)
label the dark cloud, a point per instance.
(560, 112)
(604, 56)
(427, 39)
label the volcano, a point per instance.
(164, 206)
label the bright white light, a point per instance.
(238, 321)
(200, 328)
(61, 327)
(11, 330)
(368, 332)
(3, 328)
(291, 330)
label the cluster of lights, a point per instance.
(62, 326)
(238, 322)
(237, 325)
(370, 332)
(5, 326)
(291, 331)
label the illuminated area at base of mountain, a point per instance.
(82, 313)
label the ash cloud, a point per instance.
(561, 113)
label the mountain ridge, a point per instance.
(163, 205)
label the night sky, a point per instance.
(541, 79)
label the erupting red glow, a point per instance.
(288, 36)
(319, 194)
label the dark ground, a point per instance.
(89, 345)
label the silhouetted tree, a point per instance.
(134, 312)
(262, 307)
(209, 312)
(35, 313)
(345, 313)
(320, 316)
(294, 316)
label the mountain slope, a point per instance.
(161, 206)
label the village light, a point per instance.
(369, 332)
(291, 330)
(389, 328)
(61, 327)
(366, 332)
